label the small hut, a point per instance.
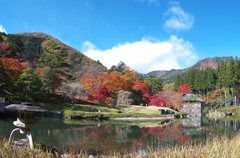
(24, 121)
(188, 97)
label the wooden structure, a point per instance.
(24, 122)
(5, 94)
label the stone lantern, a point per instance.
(24, 122)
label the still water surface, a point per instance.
(104, 136)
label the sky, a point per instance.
(146, 35)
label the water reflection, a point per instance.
(117, 136)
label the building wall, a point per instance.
(195, 109)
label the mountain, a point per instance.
(29, 48)
(169, 76)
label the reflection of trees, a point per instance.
(170, 133)
(141, 141)
(105, 139)
(121, 138)
(122, 134)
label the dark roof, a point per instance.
(186, 97)
(20, 107)
(4, 92)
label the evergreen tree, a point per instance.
(30, 84)
(178, 82)
(47, 79)
(222, 74)
(231, 74)
(198, 81)
(190, 78)
(237, 73)
(154, 83)
(53, 57)
(210, 79)
(16, 44)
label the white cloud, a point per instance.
(87, 46)
(178, 19)
(146, 55)
(2, 29)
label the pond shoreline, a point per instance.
(142, 118)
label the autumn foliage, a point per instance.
(157, 100)
(13, 69)
(171, 99)
(100, 94)
(102, 86)
(143, 87)
(184, 88)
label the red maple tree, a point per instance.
(100, 94)
(157, 100)
(184, 88)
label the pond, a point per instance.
(109, 136)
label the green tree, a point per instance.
(154, 83)
(53, 56)
(178, 81)
(237, 73)
(16, 44)
(47, 77)
(190, 78)
(198, 81)
(231, 81)
(30, 84)
(222, 74)
(209, 81)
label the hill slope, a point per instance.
(169, 76)
(32, 50)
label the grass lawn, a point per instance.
(226, 109)
(85, 111)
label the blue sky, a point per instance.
(147, 35)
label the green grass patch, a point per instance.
(85, 111)
(226, 110)
(76, 107)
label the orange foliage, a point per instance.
(13, 68)
(89, 80)
(173, 99)
(114, 83)
(143, 87)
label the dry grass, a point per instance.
(221, 147)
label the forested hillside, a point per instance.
(36, 66)
(225, 78)
(32, 48)
(39, 63)
(169, 76)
